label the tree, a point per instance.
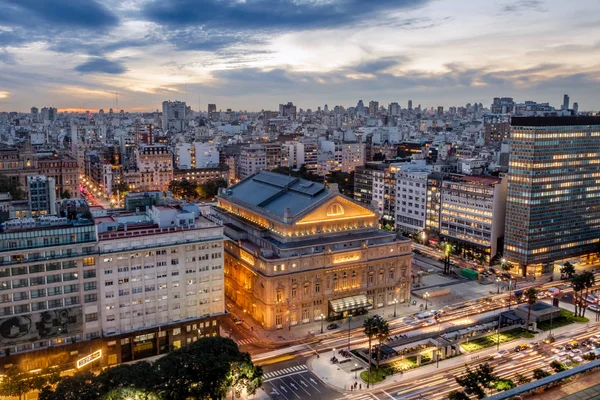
(539, 373)
(504, 265)
(457, 395)
(522, 379)
(382, 333)
(589, 281)
(18, 383)
(531, 298)
(578, 284)
(567, 271)
(504, 384)
(370, 330)
(65, 194)
(557, 366)
(206, 369)
(12, 186)
(211, 188)
(121, 188)
(79, 386)
(183, 189)
(476, 381)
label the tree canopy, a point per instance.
(189, 190)
(206, 370)
(11, 186)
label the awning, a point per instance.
(349, 303)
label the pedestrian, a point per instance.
(351, 388)
(360, 386)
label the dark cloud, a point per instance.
(522, 5)
(267, 14)
(101, 65)
(370, 67)
(68, 14)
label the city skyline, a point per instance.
(254, 55)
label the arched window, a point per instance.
(335, 209)
(344, 280)
(335, 282)
(353, 278)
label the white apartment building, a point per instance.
(353, 155)
(252, 159)
(162, 271)
(42, 195)
(473, 210)
(411, 198)
(154, 169)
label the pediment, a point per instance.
(337, 208)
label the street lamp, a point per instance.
(498, 280)
(395, 303)
(349, 319)
(322, 316)
(355, 370)
(333, 352)
(426, 296)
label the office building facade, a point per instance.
(553, 206)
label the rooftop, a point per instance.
(555, 121)
(276, 193)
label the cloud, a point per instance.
(520, 6)
(68, 14)
(369, 67)
(267, 14)
(101, 65)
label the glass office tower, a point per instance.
(553, 202)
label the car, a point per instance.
(521, 347)
(549, 339)
(441, 259)
(501, 353)
(576, 351)
(574, 343)
(586, 343)
(541, 295)
(237, 321)
(417, 251)
(559, 349)
(594, 308)
(533, 344)
(492, 270)
(332, 326)
(597, 336)
(577, 359)
(552, 292)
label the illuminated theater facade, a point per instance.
(297, 251)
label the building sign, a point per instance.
(343, 258)
(82, 362)
(244, 255)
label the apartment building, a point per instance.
(160, 280)
(473, 210)
(411, 198)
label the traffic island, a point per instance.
(488, 341)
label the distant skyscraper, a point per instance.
(575, 108)
(288, 110)
(394, 109)
(326, 109)
(173, 115)
(553, 202)
(360, 108)
(410, 105)
(373, 107)
(565, 105)
(502, 105)
(211, 109)
(440, 110)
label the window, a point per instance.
(91, 317)
(71, 276)
(71, 288)
(108, 283)
(293, 293)
(90, 298)
(89, 274)
(176, 331)
(107, 271)
(317, 288)
(89, 286)
(89, 261)
(54, 291)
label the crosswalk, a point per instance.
(286, 371)
(360, 396)
(247, 341)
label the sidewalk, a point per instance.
(301, 331)
(335, 377)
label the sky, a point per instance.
(254, 54)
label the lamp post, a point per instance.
(333, 352)
(426, 296)
(437, 348)
(498, 333)
(355, 371)
(498, 284)
(395, 304)
(322, 316)
(349, 319)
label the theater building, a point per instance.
(297, 251)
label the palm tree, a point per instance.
(383, 332)
(567, 271)
(578, 285)
(588, 281)
(370, 329)
(531, 296)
